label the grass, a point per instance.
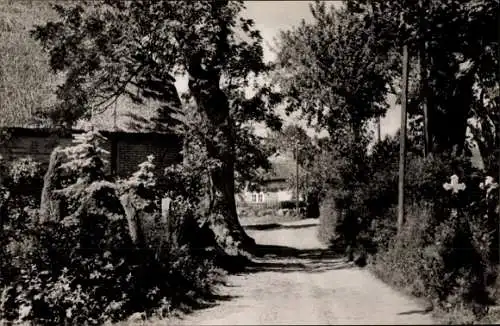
(271, 218)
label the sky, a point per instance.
(272, 16)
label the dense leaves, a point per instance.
(331, 72)
(84, 269)
(455, 43)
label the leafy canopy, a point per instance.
(111, 48)
(330, 71)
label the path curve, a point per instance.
(300, 282)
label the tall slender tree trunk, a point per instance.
(424, 80)
(424, 89)
(402, 142)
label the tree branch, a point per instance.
(119, 91)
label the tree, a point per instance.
(455, 42)
(331, 72)
(112, 48)
(294, 140)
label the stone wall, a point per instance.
(126, 150)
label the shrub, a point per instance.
(449, 260)
(92, 286)
(400, 259)
(443, 256)
(22, 184)
(25, 175)
(327, 219)
(84, 269)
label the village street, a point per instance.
(299, 282)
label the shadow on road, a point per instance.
(274, 226)
(414, 312)
(208, 302)
(272, 258)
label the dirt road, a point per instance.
(299, 282)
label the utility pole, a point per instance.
(402, 140)
(297, 176)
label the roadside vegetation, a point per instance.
(101, 252)
(340, 71)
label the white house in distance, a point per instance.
(275, 186)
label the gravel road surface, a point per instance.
(298, 281)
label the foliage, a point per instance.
(436, 256)
(252, 153)
(328, 70)
(24, 180)
(328, 219)
(20, 193)
(454, 42)
(186, 184)
(294, 140)
(138, 67)
(84, 269)
(445, 260)
(92, 287)
(25, 173)
(143, 186)
(449, 260)
(144, 177)
(140, 196)
(85, 183)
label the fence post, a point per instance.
(165, 218)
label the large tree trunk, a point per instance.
(213, 104)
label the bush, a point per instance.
(141, 199)
(19, 193)
(446, 258)
(400, 260)
(342, 208)
(84, 268)
(69, 286)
